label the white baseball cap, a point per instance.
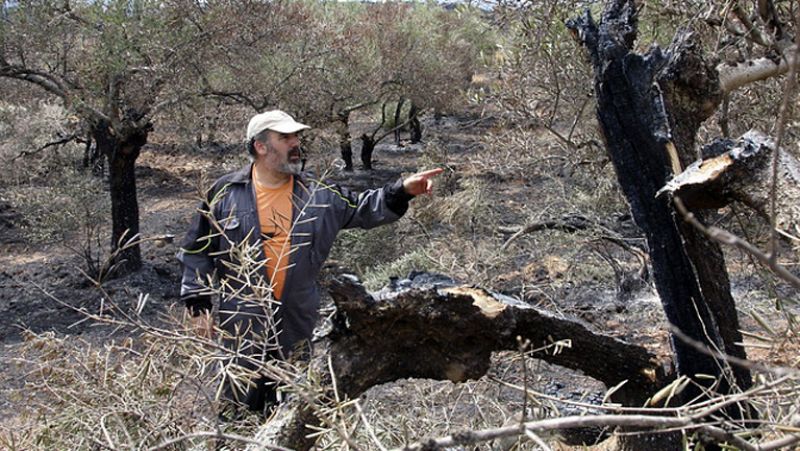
(275, 120)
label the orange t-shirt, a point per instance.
(275, 217)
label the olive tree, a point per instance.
(118, 64)
(115, 64)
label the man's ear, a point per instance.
(259, 147)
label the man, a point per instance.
(263, 233)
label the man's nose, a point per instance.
(294, 141)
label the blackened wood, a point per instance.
(343, 130)
(445, 332)
(367, 147)
(741, 171)
(647, 105)
(121, 150)
(450, 333)
(414, 124)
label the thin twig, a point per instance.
(217, 435)
(60, 142)
(725, 237)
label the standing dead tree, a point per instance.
(650, 107)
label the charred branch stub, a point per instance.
(649, 107)
(741, 171)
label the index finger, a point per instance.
(430, 172)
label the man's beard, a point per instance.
(292, 168)
(289, 167)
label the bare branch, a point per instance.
(45, 81)
(752, 32)
(781, 129)
(60, 142)
(217, 435)
(570, 422)
(733, 77)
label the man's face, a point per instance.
(281, 152)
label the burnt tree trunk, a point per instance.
(343, 130)
(445, 332)
(397, 113)
(92, 158)
(414, 124)
(121, 153)
(367, 147)
(650, 107)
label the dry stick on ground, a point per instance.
(683, 419)
(568, 223)
(573, 223)
(629, 421)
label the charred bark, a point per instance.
(397, 111)
(649, 108)
(92, 157)
(439, 331)
(741, 171)
(450, 332)
(121, 153)
(367, 148)
(414, 124)
(346, 148)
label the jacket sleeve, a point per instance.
(197, 263)
(375, 207)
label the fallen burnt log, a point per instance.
(441, 331)
(741, 171)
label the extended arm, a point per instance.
(375, 207)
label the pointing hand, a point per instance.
(421, 183)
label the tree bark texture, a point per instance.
(439, 331)
(397, 111)
(121, 153)
(649, 108)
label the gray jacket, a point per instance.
(319, 212)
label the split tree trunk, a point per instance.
(121, 153)
(741, 171)
(649, 108)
